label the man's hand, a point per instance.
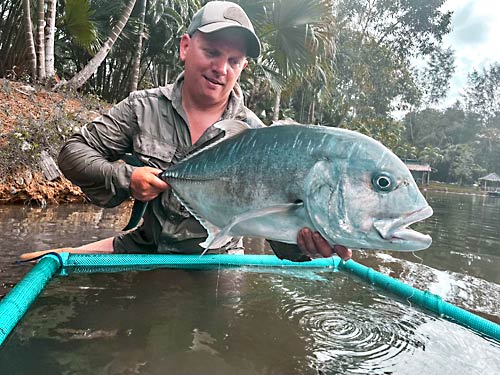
(315, 246)
(145, 184)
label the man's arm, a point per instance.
(89, 158)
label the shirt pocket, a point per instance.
(153, 151)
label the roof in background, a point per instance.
(418, 167)
(490, 177)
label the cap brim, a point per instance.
(253, 43)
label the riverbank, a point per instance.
(441, 187)
(32, 120)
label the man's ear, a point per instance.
(245, 64)
(184, 46)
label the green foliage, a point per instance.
(13, 61)
(462, 165)
(482, 96)
(434, 80)
(77, 22)
(387, 132)
(23, 144)
(431, 155)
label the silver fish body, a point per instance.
(271, 182)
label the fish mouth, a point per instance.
(397, 231)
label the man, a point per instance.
(160, 126)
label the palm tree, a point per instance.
(296, 36)
(83, 75)
(136, 61)
(50, 32)
(166, 21)
(40, 40)
(30, 43)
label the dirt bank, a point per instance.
(33, 119)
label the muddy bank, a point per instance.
(26, 187)
(35, 120)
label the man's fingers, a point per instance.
(314, 245)
(158, 184)
(322, 246)
(343, 252)
(145, 184)
(306, 242)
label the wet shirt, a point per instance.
(151, 125)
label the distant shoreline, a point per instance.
(452, 189)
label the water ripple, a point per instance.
(352, 337)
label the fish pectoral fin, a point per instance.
(218, 238)
(248, 218)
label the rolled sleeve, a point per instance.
(90, 158)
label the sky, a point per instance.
(475, 38)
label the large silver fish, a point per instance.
(271, 182)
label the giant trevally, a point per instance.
(271, 182)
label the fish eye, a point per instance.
(383, 182)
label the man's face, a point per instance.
(212, 63)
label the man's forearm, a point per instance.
(106, 183)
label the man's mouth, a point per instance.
(213, 81)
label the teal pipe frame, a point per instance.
(16, 303)
(88, 261)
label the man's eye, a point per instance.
(211, 53)
(235, 62)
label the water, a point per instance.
(239, 321)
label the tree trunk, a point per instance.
(40, 40)
(136, 62)
(312, 108)
(30, 42)
(83, 75)
(276, 114)
(50, 31)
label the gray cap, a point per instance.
(219, 15)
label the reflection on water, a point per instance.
(268, 321)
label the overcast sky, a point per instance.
(475, 38)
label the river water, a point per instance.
(247, 321)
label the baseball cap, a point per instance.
(219, 15)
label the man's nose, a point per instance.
(220, 65)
